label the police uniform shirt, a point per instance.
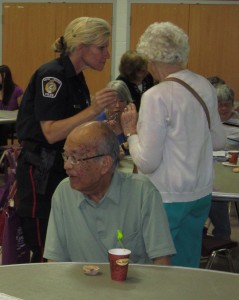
(55, 92)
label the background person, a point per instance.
(96, 200)
(172, 143)
(10, 95)
(134, 72)
(228, 115)
(57, 99)
(113, 111)
(219, 213)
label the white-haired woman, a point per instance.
(56, 100)
(113, 111)
(172, 143)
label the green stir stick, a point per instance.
(120, 237)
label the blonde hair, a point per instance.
(83, 30)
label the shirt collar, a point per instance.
(112, 194)
(68, 66)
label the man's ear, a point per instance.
(106, 163)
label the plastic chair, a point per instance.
(213, 248)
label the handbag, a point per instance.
(8, 162)
(14, 248)
(195, 94)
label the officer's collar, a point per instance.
(68, 66)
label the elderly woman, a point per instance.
(57, 100)
(134, 72)
(113, 111)
(219, 214)
(171, 142)
(225, 96)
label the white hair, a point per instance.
(224, 93)
(122, 90)
(164, 42)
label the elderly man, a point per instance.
(96, 200)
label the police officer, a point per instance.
(56, 100)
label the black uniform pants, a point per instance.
(33, 205)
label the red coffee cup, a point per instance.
(233, 156)
(119, 261)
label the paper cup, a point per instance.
(233, 156)
(119, 261)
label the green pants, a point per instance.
(186, 221)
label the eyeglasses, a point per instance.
(75, 161)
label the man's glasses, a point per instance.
(75, 161)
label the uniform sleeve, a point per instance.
(50, 95)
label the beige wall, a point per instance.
(213, 30)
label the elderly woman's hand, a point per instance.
(129, 119)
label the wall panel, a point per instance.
(214, 41)
(142, 15)
(213, 34)
(29, 30)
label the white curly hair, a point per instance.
(164, 42)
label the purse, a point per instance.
(14, 248)
(195, 94)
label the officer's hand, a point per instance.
(102, 99)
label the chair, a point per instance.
(213, 248)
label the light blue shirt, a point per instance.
(81, 230)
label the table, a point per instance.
(8, 116)
(66, 281)
(226, 183)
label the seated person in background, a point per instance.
(113, 112)
(219, 214)
(96, 200)
(215, 80)
(133, 70)
(225, 96)
(10, 94)
(228, 115)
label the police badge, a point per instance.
(50, 87)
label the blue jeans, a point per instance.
(219, 217)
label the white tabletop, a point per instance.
(67, 281)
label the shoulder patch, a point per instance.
(50, 87)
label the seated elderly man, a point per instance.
(96, 200)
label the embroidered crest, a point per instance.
(50, 86)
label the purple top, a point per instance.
(12, 103)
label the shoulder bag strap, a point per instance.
(195, 94)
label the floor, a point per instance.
(221, 263)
